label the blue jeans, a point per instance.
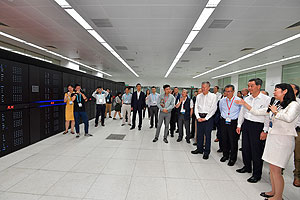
(85, 120)
(204, 128)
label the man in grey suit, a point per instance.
(166, 103)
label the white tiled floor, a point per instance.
(65, 168)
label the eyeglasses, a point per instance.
(228, 91)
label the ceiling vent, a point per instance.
(121, 48)
(220, 23)
(2, 24)
(81, 59)
(222, 61)
(185, 61)
(130, 59)
(247, 49)
(50, 46)
(178, 67)
(102, 23)
(135, 67)
(294, 25)
(196, 48)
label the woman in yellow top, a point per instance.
(69, 110)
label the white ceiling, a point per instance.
(154, 30)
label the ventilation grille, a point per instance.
(102, 23)
(115, 137)
(196, 49)
(130, 59)
(247, 49)
(185, 61)
(2, 24)
(178, 67)
(121, 48)
(135, 67)
(294, 25)
(222, 61)
(220, 23)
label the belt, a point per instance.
(298, 128)
(153, 106)
(127, 103)
(202, 115)
(231, 119)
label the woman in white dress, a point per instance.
(280, 141)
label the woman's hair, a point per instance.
(118, 94)
(70, 85)
(147, 91)
(289, 96)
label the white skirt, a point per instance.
(278, 149)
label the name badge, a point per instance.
(107, 100)
(71, 102)
(227, 120)
(79, 105)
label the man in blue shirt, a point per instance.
(228, 122)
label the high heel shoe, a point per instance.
(263, 194)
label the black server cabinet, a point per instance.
(46, 114)
(88, 86)
(14, 133)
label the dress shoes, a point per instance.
(205, 157)
(188, 141)
(132, 128)
(223, 159)
(139, 128)
(151, 126)
(243, 170)
(220, 151)
(253, 179)
(197, 152)
(263, 194)
(155, 140)
(231, 163)
(179, 140)
(165, 140)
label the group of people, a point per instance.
(268, 125)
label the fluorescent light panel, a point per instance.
(205, 14)
(77, 17)
(253, 53)
(257, 66)
(50, 52)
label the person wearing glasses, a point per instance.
(280, 142)
(228, 122)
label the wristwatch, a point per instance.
(266, 132)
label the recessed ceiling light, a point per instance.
(205, 14)
(257, 66)
(252, 54)
(50, 52)
(76, 16)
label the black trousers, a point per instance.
(186, 123)
(204, 128)
(174, 120)
(229, 139)
(144, 112)
(140, 111)
(193, 126)
(253, 147)
(219, 134)
(100, 111)
(153, 113)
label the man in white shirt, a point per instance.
(296, 182)
(205, 108)
(100, 96)
(217, 93)
(255, 130)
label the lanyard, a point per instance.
(78, 99)
(230, 105)
(165, 99)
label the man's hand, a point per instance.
(238, 130)
(201, 119)
(165, 110)
(263, 136)
(131, 108)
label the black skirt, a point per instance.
(118, 107)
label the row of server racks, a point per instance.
(31, 99)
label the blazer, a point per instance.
(284, 121)
(138, 103)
